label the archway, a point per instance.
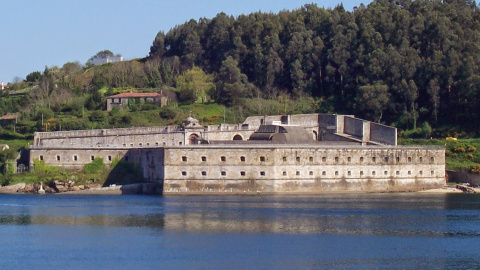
(238, 137)
(193, 139)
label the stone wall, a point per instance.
(280, 168)
(353, 126)
(302, 169)
(383, 134)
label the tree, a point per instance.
(101, 55)
(195, 86)
(372, 100)
(232, 84)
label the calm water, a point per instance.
(380, 231)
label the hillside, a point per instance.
(411, 64)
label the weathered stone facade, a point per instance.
(348, 156)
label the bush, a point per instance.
(95, 166)
(166, 113)
(41, 167)
(475, 169)
(97, 116)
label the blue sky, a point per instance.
(35, 34)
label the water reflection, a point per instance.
(374, 214)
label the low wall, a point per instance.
(383, 134)
(463, 177)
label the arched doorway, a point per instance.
(193, 139)
(238, 137)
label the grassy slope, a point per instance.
(460, 155)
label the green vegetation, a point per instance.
(462, 154)
(410, 64)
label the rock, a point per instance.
(29, 188)
(70, 183)
(12, 188)
(91, 186)
(59, 183)
(82, 187)
(74, 188)
(61, 188)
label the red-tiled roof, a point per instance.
(135, 95)
(8, 117)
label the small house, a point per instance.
(123, 100)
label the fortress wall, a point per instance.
(271, 168)
(126, 140)
(71, 159)
(353, 126)
(304, 120)
(285, 169)
(383, 134)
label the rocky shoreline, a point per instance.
(58, 187)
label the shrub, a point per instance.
(459, 148)
(167, 113)
(40, 166)
(471, 148)
(95, 166)
(475, 169)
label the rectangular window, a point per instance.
(361, 159)
(336, 159)
(75, 158)
(109, 158)
(374, 173)
(336, 173)
(204, 158)
(262, 173)
(284, 173)
(297, 173)
(242, 159)
(184, 159)
(310, 173)
(349, 159)
(374, 159)
(92, 158)
(223, 158)
(204, 173)
(262, 159)
(324, 173)
(184, 173)
(324, 159)
(242, 173)
(361, 173)
(297, 159)
(223, 173)
(284, 159)
(349, 173)
(310, 159)
(58, 158)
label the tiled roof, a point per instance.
(135, 95)
(8, 117)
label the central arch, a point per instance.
(193, 139)
(238, 137)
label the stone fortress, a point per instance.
(265, 154)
